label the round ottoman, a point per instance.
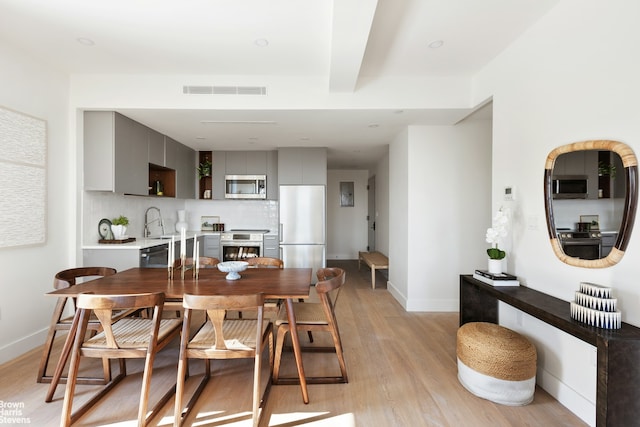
(496, 363)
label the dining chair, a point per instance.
(205, 262)
(223, 338)
(62, 321)
(130, 337)
(265, 262)
(316, 317)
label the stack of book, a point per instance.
(496, 279)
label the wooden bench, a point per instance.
(375, 261)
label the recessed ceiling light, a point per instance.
(261, 42)
(398, 112)
(200, 137)
(373, 125)
(85, 41)
(436, 44)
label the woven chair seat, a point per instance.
(310, 314)
(238, 334)
(133, 333)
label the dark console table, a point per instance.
(618, 369)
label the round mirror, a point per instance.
(591, 193)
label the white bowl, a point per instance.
(233, 268)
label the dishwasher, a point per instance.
(155, 256)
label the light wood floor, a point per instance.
(402, 372)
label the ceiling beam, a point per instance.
(351, 26)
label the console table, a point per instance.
(618, 366)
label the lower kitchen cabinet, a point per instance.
(212, 245)
(271, 246)
(120, 259)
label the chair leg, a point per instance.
(51, 335)
(256, 384)
(282, 333)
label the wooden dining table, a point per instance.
(287, 284)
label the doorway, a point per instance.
(371, 214)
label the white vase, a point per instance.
(495, 266)
(182, 221)
(119, 231)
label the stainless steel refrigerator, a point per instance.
(302, 226)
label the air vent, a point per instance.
(224, 90)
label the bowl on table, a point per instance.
(233, 268)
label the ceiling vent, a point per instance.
(224, 90)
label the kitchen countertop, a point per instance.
(143, 243)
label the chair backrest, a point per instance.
(330, 281)
(216, 307)
(265, 262)
(205, 262)
(103, 307)
(67, 278)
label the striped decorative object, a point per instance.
(594, 306)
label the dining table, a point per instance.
(286, 284)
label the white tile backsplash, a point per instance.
(253, 214)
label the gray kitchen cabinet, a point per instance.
(580, 163)
(185, 168)
(271, 246)
(120, 259)
(115, 153)
(306, 166)
(218, 170)
(608, 242)
(212, 245)
(156, 148)
(245, 163)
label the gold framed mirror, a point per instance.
(569, 194)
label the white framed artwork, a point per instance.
(23, 179)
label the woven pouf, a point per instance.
(496, 363)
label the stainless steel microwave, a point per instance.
(570, 187)
(245, 186)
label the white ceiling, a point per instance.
(344, 41)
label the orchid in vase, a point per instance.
(497, 231)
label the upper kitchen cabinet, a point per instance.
(185, 172)
(124, 156)
(115, 153)
(156, 148)
(306, 166)
(245, 163)
(580, 163)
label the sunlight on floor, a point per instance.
(312, 419)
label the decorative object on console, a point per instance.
(498, 230)
(594, 306)
(496, 279)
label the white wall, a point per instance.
(346, 226)
(381, 173)
(445, 214)
(572, 77)
(33, 88)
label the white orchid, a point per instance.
(497, 231)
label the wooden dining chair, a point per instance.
(130, 337)
(316, 317)
(205, 262)
(62, 321)
(265, 262)
(223, 338)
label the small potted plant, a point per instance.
(204, 169)
(119, 227)
(497, 231)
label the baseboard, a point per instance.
(23, 345)
(572, 400)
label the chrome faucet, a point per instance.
(147, 232)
